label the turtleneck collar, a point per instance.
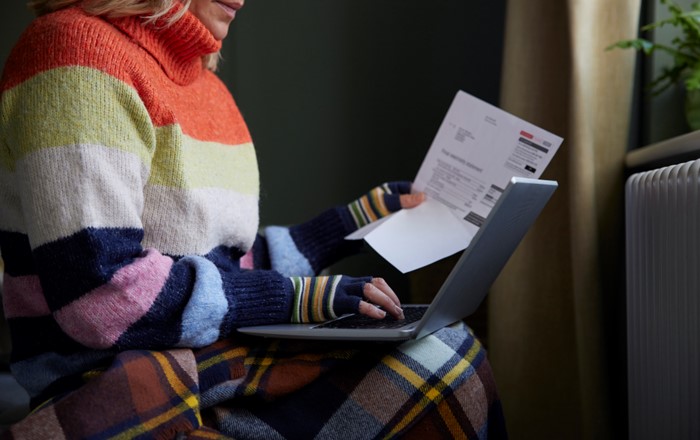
(178, 48)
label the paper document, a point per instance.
(476, 151)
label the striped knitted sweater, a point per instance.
(129, 200)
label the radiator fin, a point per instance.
(662, 219)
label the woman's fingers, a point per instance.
(378, 293)
(411, 200)
(371, 310)
(379, 286)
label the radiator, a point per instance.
(662, 217)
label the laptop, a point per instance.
(462, 291)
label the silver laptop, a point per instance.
(465, 287)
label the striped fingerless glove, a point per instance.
(378, 202)
(318, 299)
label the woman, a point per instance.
(129, 232)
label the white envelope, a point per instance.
(413, 238)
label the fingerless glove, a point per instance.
(378, 202)
(318, 299)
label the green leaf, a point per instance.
(692, 82)
(684, 49)
(638, 44)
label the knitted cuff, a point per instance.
(257, 297)
(318, 299)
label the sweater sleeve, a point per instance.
(308, 248)
(75, 165)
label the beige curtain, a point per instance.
(555, 315)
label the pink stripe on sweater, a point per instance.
(23, 297)
(100, 317)
(246, 261)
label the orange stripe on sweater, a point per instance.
(70, 37)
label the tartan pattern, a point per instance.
(246, 388)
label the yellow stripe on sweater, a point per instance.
(46, 111)
(192, 163)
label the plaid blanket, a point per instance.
(247, 388)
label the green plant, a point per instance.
(684, 49)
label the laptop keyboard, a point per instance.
(411, 314)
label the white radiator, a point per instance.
(662, 209)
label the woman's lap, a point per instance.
(252, 388)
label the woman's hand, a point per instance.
(382, 201)
(318, 299)
(412, 200)
(378, 293)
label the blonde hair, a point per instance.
(151, 10)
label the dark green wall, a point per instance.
(343, 95)
(14, 17)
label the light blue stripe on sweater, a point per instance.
(284, 255)
(207, 307)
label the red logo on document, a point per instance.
(526, 134)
